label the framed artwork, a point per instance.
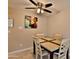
(10, 22)
(30, 22)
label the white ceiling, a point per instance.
(59, 5)
(24, 3)
(21, 4)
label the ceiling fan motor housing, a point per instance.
(39, 5)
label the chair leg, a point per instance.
(48, 56)
(36, 56)
(55, 57)
(40, 57)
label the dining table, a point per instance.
(49, 44)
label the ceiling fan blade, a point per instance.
(48, 5)
(47, 10)
(30, 8)
(33, 2)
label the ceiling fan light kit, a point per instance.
(39, 11)
(42, 11)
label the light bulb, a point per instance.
(38, 10)
(42, 11)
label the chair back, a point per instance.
(63, 49)
(58, 36)
(38, 46)
(40, 35)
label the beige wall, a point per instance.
(48, 24)
(59, 23)
(19, 37)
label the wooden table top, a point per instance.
(50, 46)
(41, 41)
(56, 41)
(49, 43)
(49, 39)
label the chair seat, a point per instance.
(44, 52)
(56, 53)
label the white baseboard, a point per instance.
(21, 50)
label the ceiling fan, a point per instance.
(40, 7)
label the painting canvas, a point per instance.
(10, 22)
(30, 22)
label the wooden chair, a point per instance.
(40, 35)
(62, 50)
(58, 36)
(39, 51)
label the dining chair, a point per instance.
(39, 51)
(40, 35)
(62, 50)
(58, 36)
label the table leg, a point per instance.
(51, 55)
(67, 54)
(33, 48)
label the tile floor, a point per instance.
(23, 55)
